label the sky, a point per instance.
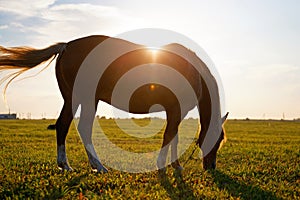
(255, 46)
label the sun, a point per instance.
(154, 51)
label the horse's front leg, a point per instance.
(85, 126)
(174, 154)
(170, 138)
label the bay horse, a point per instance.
(71, 56)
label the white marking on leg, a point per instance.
(61, 154)
(62, 159)
(91, 150)
(162, 157)
(174, 143)
(174, 154)
(94, 160)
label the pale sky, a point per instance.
(254, 44)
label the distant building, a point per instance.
(8, 116)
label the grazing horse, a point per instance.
(71, 56)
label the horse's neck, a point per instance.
(206, 74)
(215, 125)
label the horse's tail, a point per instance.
(25, 58)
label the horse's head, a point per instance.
(209, 161)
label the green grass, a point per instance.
(259, 161)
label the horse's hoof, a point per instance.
(162, 172)
(65, 167)
(178, 168)
(178, 172)
(100, 169)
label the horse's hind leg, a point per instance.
(62, 127)
(85, 126)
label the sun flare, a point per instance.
(152, 87)
(154, 51)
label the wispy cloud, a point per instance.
(73, 20)
(24, 8)
(78, 12)
(46, 22)
(3, 27)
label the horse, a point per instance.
(72, 55)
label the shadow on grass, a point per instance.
(61, 191)
(239, 189)
(178, 189)
(25, 190)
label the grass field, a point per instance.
(259, 161)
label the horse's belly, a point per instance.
(152, 98)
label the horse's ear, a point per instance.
(225, 117)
